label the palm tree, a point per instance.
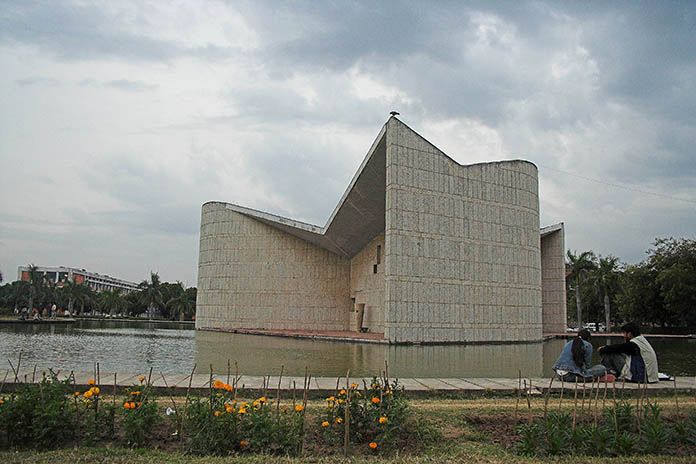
(180, 304)
(579, 265)
(34, 287)
(151, 293)
(83, 296)
(606, 279)
(111, 301)
(71, 292)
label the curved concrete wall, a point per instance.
(254, 276)
(462, 246)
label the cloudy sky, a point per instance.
(118, 119)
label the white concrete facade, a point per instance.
(419, 248)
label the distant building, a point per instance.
(419, 249)
(61, 274)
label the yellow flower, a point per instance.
(325, 424)
(373, 445)
(90, 382)
(262, 399)
(376, 400)
(330, 399)
(218, 385)
(229, 408)
(95, 390)
(87, 394)
(383, 420)
(339, 420)
(141, 378)
(242, 410)
(353, 386)
(244, 443)
(217, 413)
(342, 392)
(299, 408)
(135, 393)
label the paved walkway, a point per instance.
(320, 385)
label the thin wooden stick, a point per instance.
(519, 393)
(560, 400)
(228, 371)
(33, 375)
(575, 403)
(529, 402)
(280, 379)
(546, 400)
(346, 429)
(676, 396)
(2, 386)
(582, 404)
(604, 398)
(304, 407)
(186, 401)
(616, 421)
(176, 411)
(237, 378)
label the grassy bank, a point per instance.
(449, 430)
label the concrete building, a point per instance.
(420, 249)
(60, 275)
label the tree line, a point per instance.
(659, 291)
(156, 298)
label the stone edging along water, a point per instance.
(319, 386)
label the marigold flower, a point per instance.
(242, 410)
(2, 401)
(262, 399)
(141, 378)
(218, 385)
(229, 408)
(354, 385)
(244, 443)
(140, 403)
(375, 400)
(135, 393)
(228, 387)
(299, 408)
(330, 399)
(383, 420)
(91, 382)
(95, 390)
(325, 424)
(373, 445)
(342, 392)
(339, 420)
(77, 394)
(87, 394)
(126, 405)
(217, 413)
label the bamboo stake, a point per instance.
(529, 403)
(186, 401)
(582, 404)
(2, 386)
(228, 371)
(546, 400)
(346, 420)
(33, 375)
(519, 393)
(280, 379)
(575, 403)
(304, 404)
(560, 400)
(676, 396)
(604, 398)
(237, 378)
(616, 421)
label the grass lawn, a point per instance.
(455, 430)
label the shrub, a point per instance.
(222, 425)
(38, 416)
(378, 414)
(139, 413)
(654, 432)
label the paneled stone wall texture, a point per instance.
(553, 284)
(420, 249)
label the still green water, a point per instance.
(133, 347)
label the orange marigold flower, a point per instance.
(90, 382)
(353, 385)
(299, 408)
(217, 413)
(140, 403)
(95, 390)
(375, 400)
(87, 394)
(338, 420)
(342, 392)
(218, 384)
(244, 443)
(135, 393)
(242, 410)
(2, 401)
(330, 399)
(325, 424)
(141, 378)
(228, 387)
(229, 408)
(383, 420)
(126, 405)
(372, 445)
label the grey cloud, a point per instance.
(130, 86)
(37, 80)
(81, 31)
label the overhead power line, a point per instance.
(619, 186)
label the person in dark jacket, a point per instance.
(575, 362)
(634, 360)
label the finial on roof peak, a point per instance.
(394, 113)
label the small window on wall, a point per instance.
(379, 254)
(374, 269)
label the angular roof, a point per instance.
(359, 215)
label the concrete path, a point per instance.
(178, 383)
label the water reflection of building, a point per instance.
(419, 249)
(60, 275)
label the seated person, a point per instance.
(634, 360)
(576, 358)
